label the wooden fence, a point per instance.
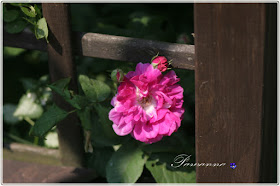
(235, 82)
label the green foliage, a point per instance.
(19, 15)
(126, 164)
(15, 26)
(178, 142)
(99, 159)
(160, 167)
(28, 108)
(102, 131)
(41, 30)
(48, 120)
(61, 88)
(8, 112)
(29, 11)
(11, 51)
(10, 15)
(85, 117)
(96, 91)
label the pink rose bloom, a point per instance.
(148, 105)
(161, 63)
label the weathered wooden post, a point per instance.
(61, 65)
(235, 87)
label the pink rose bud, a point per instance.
(160, 63)
(117, 75)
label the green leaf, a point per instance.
(33, 22)
(11, 51)
(103, 114)
(48, 120)
(99, 159)
(95, 90)
(10, 15)
(27, 107)
(102, 132)
(41, 30)
(126, 165)
(15, 26)
(61, 88)
(29, 83)
(8, 111)
(85, 118)
(160, 167)
(78, 101)
(37, 10)
(30, 11)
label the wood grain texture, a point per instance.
(112, 47)
(229, 82)
(132, 49)
(61, 65)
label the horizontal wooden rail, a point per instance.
(18, 147)
(112, 47)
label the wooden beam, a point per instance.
(133, 49)
(112, 47)
(61, 65)
(19, 147)
(230, 42)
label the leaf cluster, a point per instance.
(118, 159)
(17, 16)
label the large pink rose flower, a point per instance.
(148, 105)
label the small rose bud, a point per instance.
(117, 75)
(160, 63)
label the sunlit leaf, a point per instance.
(162, 171)
(30, 11)
(95, 90)
(41, 30)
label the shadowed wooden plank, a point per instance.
(112, 47)
(230, 58)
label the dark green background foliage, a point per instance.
(116, 159)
